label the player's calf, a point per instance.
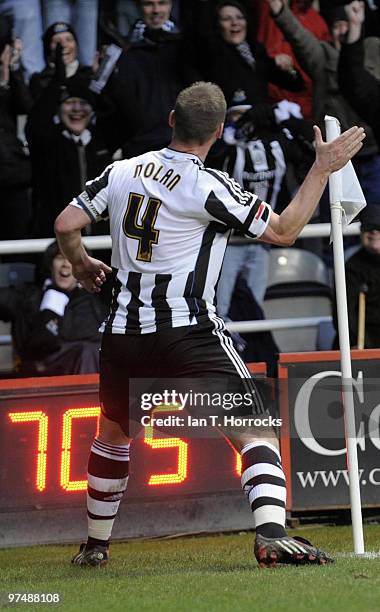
(263, 482)
(107, 481)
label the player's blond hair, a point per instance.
(199, 110)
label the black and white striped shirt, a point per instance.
(259, 166)
(170, 219)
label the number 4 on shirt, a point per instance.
(144, 232)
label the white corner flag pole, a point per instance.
(332, 131)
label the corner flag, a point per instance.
(344, 185)
(346, 201)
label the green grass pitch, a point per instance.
(214, 573)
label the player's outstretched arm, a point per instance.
(89, 271)
(331, 156)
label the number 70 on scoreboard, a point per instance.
(40, 420)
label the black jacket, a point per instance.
(363, 268)
(360, 87)
(223, 64)
(14, 163)
(37, 334)
(59, 170)
(260, 346)
(144, 87)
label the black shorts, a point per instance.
(203, 353)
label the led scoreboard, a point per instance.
(182, 479)
(46, 429)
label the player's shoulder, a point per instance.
(219, 177)
(218, 180)
(122, 168)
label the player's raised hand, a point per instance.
(91, 273)
(332, 156)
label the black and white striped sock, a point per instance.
(107, 480)
(263, 481)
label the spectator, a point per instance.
(15, 171)
(26, 19)
(148, 78)
(363, 274)
(231, 61)
(360, 87)
(279, 48)
(320, 60)
(82, 15)
(372, 14)
(256, 347)
(60, 51)
(261, 144)
(54, 327)
(129, 11)
(67, 149)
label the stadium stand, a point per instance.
(12, 274)
(297, 287)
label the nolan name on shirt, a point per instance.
(159, 174)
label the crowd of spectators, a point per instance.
(83, 82)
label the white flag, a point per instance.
(344, 185)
